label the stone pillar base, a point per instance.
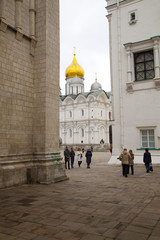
(50, 167)
(44, 168)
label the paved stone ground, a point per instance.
(94, 204)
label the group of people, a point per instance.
(127, 159)
(69, 156)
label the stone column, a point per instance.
(156, 58)
(156, 62)
(3, 25)
(129, 83)
(18, 15)
(129, 71)
(46, 93)
(32, 13)
(2, 8)
(18, 19)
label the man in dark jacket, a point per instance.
(147, 159)
(67, 157)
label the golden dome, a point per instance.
(74, 70)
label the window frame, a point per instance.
(148, 136)
(136, 55)
(132, 20)
(134, 47)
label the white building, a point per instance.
(135, 76)
(84, 116)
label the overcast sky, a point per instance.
(83, 25)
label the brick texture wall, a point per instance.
(29, 85)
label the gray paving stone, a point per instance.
(99, 204)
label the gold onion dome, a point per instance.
(74, 70)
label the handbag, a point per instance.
(151, 167)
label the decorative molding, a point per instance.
(129, 87)
(33, 46)
(3, 26)
(157, 83)
(132, 22)
(19, 35)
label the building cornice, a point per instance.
(120, 3)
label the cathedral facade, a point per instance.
(84, 116)
(135, 76)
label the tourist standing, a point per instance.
(88, 157)
(147, 159)
(67, 157)
(124, 158)
(72, 154)
(79, 157)
(131, 162)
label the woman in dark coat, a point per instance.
(88, 157)
(147, 159)
(72, 154)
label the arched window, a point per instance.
(70, 113)
(82, 112)
(101, 113)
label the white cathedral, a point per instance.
(84, 116)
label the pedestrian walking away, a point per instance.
(147, 160)
(72, 154)
(67, 157)
(124, 158)
(79, 157)
(131, 162)
(88, 157)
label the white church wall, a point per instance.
(136, 108)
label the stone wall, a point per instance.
(29, 91)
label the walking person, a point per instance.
(79, 157)
(88, 157)
(147, 160)
(72, 154)
(67, 157)
(131, 162)
(124, 158)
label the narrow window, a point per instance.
(82, 112)
(70, 113)
(132, 16)
(82, 132)
(70, 133)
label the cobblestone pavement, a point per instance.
(94, 204)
